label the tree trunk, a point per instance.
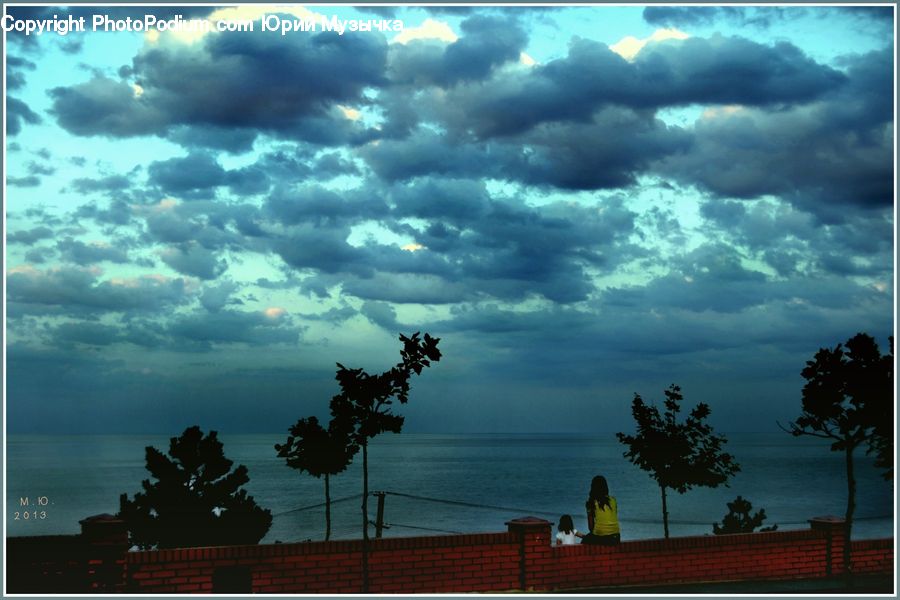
(327, 510)
(662, 489)
(365, 514)
(851, 507)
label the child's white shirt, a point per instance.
(567, 539)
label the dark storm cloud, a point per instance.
(194, 260)
(88, 333)
(325, 250)
(712, 278)
(75, 251)
(192, 173)
(608, 151)
(486, 43)
(104, 106)
(728, 70)
(785, 237)
(318, 205)
(474, 246)
(229, 139)
(67, 290)
(238, 82)
(217, 297)
(17, 113)
(232, 327)
(821, 158)
(381, 314)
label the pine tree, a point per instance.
(196, 499)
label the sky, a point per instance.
(582, 203)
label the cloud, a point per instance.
(239, 81)
(77, 290)
(233, 327)
(430, 29)
(194, 260)
(29, 236)
(821, 158)
(186, 175)
(719, 70)
(487, 43)
(17, 113)
(78, 252)
(629, 47)
(607, 151)
(109, 183)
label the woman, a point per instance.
(602, 515)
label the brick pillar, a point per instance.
(534, 549)
(832, 529)
(105, 540)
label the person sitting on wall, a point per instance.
(567, 532)
(602, 515)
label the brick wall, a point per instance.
(461, 563)
(518, 559)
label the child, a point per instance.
(567, 532)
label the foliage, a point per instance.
(678, 455)
(196, 499)
(848, 398)
(365, 400)
(319, 451)
(316, 450)
(738, 519)
(365, 404)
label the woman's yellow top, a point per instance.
(606, 518)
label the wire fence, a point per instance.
(519, 510)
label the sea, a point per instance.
(456, 483)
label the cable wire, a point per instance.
(319, 505)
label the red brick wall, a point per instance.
(461, 563)
(521, 558)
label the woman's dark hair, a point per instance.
(565, 524)
(599, 493)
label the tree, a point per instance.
(678, 456)
(848, 398)
(366, 403)
(738, 519)
(319, 451)
(196, 499)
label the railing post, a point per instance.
(832, 528)
(534, 547)
(105, 539)
(379, 516)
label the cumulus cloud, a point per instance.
(78, 290)
(239, 82)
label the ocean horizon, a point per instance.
(453, 483)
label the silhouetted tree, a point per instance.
(319, 451)
(738, 519)
(365, 402)
(196, 499)
(677, 455)
(848, 398)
